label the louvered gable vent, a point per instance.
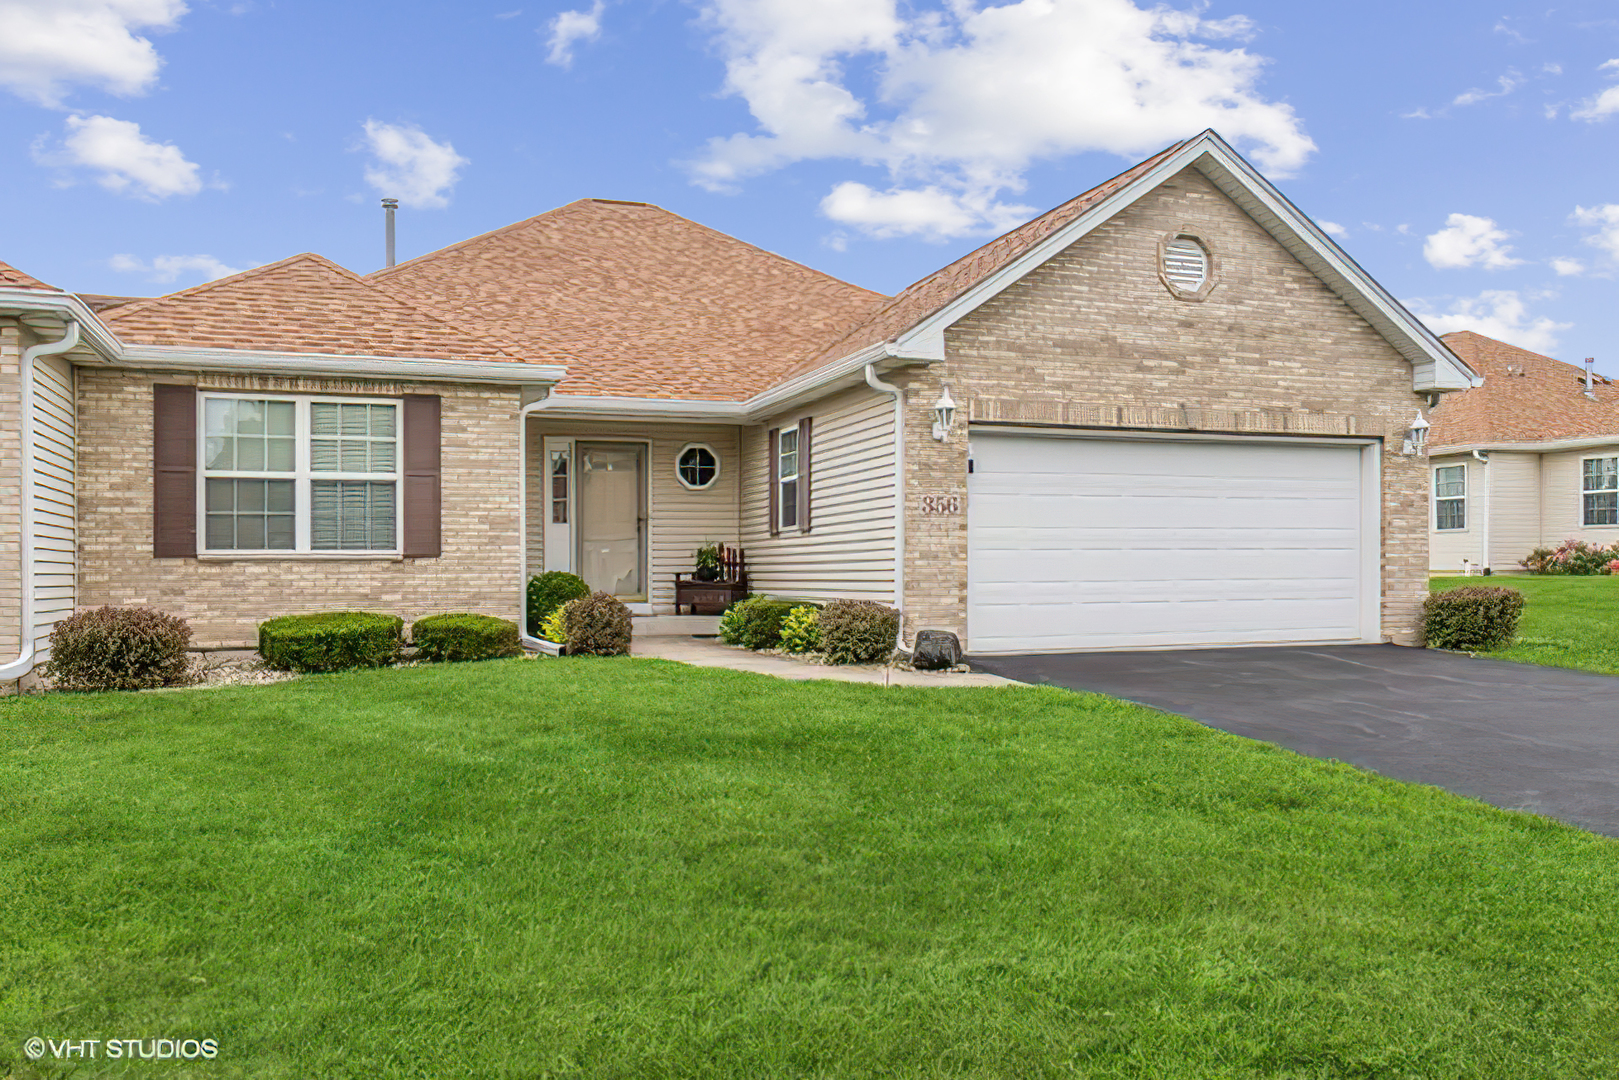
(1186, 264)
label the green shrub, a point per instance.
(555, 628)
(801, 629)
(465, 637)
(330, 641)
(1572, 557)
(118, 648)
(858, 632)
(549, 591)
(1475, 618)
(755, 622)
(597, 625)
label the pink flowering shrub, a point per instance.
(1573, 557)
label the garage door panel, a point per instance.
(1091, 543)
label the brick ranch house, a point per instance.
(1180, 411)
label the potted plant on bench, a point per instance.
(719, 580)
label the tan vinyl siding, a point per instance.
(1514, 509)
(680, 520)
(1448, 547)
(55, 497)
(849, 551)
(1562, 501)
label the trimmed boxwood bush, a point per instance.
(549, 591)
(597, 625)
(858, 632)
(119, 648)
(1475, 619)
(464, 637)
(330, 641)
(755, 622)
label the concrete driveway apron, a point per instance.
(1522, 737)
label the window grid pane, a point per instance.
(351, 515)
(1602, 508)
(347, 438)
(1452, 514)
(249, 515)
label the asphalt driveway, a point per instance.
(1519, 736)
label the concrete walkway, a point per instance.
(710, 652)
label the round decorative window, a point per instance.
(697, 466)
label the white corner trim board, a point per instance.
(24, 663)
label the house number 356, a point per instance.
(941, 504)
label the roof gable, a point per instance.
(644, 302)
(303, 304)
(914, 323)
(1525, 398)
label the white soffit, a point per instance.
(1434, 367)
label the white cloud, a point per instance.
(1496, 313)
(1332, 228)
(410, 166)
(1604, 104)
(1469, 241)
(47, 46)
(1604, 220)
(963, 99)
(127, 161)
(1566, 267)
(570, 27)
(167, 268)
(1507, 83)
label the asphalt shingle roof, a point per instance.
(305, 304)
(12, 278)
(1526, 397)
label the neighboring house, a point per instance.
(1179, 416)
(1527, 460)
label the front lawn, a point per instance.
(1570, 622)
(631, 868)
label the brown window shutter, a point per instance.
(421, 499)
(804, 474)
(773, 440)
(174, 471)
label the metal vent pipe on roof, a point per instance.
(1589, 361)
(389, 206)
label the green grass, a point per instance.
(625, 868)
(1570, 622)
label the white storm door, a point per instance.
(1094, 543)
(612, 518)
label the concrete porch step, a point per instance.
(673, 625)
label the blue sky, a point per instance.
(1464, 155)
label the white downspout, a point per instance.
(523, 414)
(1484, 538)
(899, 497)
(25, 493)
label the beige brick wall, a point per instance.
(1094, 339)
(224, 600)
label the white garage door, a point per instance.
(1088, 543)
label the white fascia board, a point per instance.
(1434, 367)
(92, 331)
(1547, 446)
(667, 410)
(242, 362)
(834, 376)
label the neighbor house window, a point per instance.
(1450, 496)
(697, 466)
(1602, 491)
(787, 477)
(299, 474)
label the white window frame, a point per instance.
(1462, 498)
(302, 476)
(1587, 492)
(781, 482)
(688, 448)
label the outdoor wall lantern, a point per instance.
(944, 412)
(1417, 437)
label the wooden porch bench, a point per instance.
(713, 597)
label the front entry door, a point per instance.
(612, 518)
